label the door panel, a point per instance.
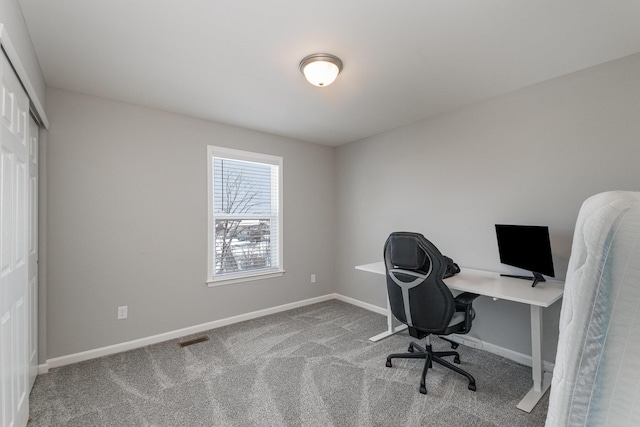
(14, 219)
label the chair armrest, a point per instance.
(464, 303)
(465, 298)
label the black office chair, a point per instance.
(420, 299)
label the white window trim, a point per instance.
(214, 151)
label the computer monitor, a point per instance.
(527, 247)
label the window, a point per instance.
(245, 215)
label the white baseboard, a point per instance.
(154, 339)
(361, 304)
(179, 333)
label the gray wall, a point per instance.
(127, 222)
(528, 157)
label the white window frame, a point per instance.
(228, 278)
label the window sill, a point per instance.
(244, 278)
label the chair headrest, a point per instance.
(406, 253)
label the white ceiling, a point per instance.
(236, 61)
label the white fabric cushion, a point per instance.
(596, 379)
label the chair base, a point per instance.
(430, 356)
(454, 344)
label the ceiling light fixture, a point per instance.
(321, 69)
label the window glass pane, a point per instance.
(242, 245)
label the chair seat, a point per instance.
(457, 318)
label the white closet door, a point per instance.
(33, 251)
(14, 223)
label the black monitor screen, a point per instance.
(526, 247)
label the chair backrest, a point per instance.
(417, 294)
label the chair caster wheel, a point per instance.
(389, 364)
(454, 345)
(410, 349)
(472, 387)
(423, 390)
(456, 360)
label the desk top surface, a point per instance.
(491, 284)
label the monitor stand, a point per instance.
(537, 277)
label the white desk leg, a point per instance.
(391, 326)
(541, 379)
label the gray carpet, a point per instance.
(312, 366)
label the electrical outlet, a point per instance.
(122, 312)
(313, 278)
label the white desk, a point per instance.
(507, 288)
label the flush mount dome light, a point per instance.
(321, 69)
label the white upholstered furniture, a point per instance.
(596, 379)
